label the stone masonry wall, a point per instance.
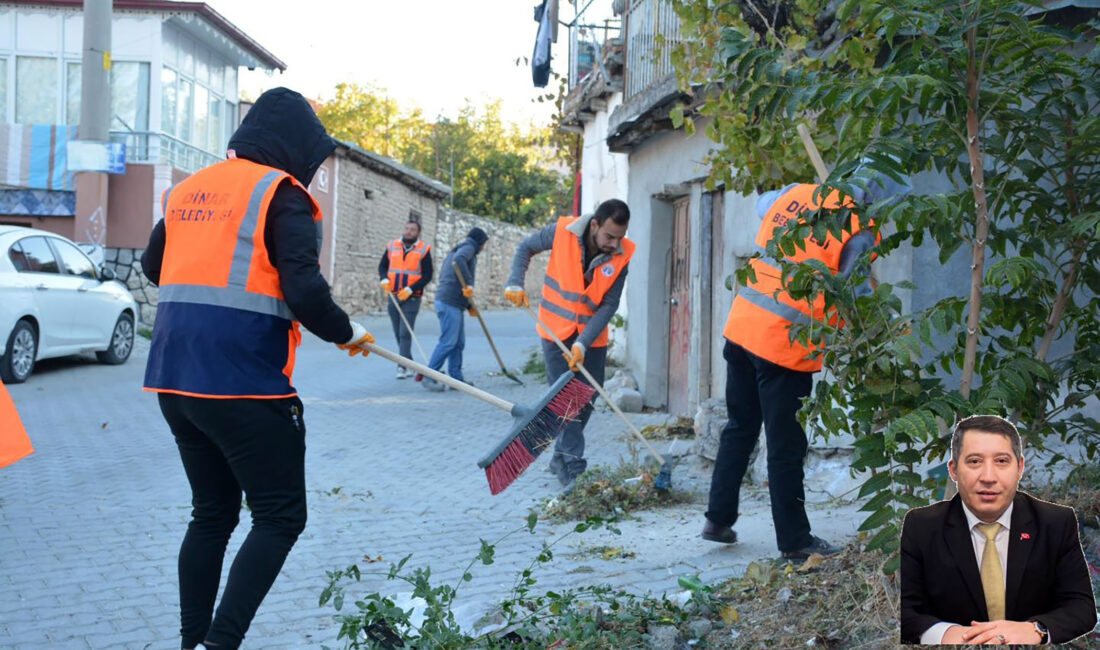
(126, 263)
(365, 225)
(494, 263)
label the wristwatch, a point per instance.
(1044, 635)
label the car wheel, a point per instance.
(19, 355)
(122, 342)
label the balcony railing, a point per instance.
(161, 148)
(649, 62)
(588, 35)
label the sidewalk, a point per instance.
(92, 522)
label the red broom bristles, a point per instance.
(537, 435)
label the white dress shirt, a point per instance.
(934, 634)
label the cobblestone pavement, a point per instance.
(90, 525)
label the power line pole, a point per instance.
(95, 120)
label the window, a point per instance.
(129, 96)
(72, 92)
(39, 257)
(202, 117)
(215, 143)
(18, 258)
(185, 111)
(76, 262)
(36, 91)
(169, 101)
(4, 88)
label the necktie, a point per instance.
(993, 584)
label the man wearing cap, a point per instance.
(404, 270)
(451, 300)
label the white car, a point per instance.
(54, 301)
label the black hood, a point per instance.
(282, 131)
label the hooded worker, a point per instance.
(451, 300)
(236, 260)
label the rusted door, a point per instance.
(679, 315)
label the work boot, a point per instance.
(818, 545)
(712, 532)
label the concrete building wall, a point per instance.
(664, 160)
(604, 175)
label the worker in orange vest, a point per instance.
(584, 281)
(405, 269)
(236, 260)
(14, 442)
(768, 375)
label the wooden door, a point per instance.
(679, 315)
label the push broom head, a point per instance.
(535, 428)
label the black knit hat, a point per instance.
(478, 235)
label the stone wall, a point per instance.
(494, 263)
(126, 263)
(371, 210)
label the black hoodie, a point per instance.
(282, 131)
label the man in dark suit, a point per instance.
(992, 565)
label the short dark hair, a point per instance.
(985, 424)
(416, 222)
(613, 209)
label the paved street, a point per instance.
(90, 525)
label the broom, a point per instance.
(663, 481)
(397, 306)
(535, 427)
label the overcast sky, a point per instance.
(431, 53)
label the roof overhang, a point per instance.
(390, 167)
(196, 18)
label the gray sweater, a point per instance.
(449, 290)
(543, 240)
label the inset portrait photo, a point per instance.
(992, 565)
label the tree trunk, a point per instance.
(981, 209)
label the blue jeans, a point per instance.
(452, 339)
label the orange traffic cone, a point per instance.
(14, 443)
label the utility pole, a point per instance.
(95, 121)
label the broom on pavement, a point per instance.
(477, 312)
(412, 335)
(534, 428)
(663, 481)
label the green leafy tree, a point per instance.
(1000, 101)
(495, 169)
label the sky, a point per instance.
(428, 53)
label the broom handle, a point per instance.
(813, 153)
(477, 312)
(397, 306)
(501, 404)
(599, 389)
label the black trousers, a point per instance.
(228, 446)
(761, 392)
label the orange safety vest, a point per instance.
(223, 329)
(405, 267)
(763, 312)
(14, 442)
(567, 302)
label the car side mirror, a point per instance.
(106, 274)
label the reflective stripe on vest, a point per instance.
(762, 312)
(223, 329)
(568, 303)
(404, 268)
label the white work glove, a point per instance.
(516, 295)
(359, 335)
